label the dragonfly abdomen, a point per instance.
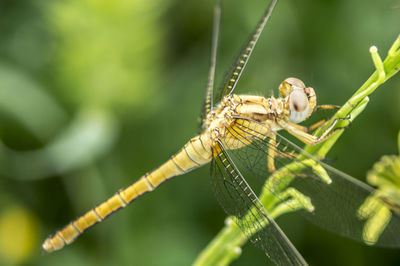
(195, 153)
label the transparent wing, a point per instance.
(232, 76)
(208, 98)
(337, 204)
(238, 200)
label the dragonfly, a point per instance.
(241, 135)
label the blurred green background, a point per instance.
(95, 93)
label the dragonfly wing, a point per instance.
(233, 75)
(208, 98)
(336, 204)
(238, 200)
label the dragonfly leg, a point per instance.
(300, 127)
(316, 125)
(271, 152)
(330, 130)
(326, 107)
(323, 121)
(310, 139)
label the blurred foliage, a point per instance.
(93, 94)
(18, 234)
(385, 176)
(103, 50)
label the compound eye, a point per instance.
(290, 84)
(296, 83)
(299, 107)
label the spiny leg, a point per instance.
(327, 107)
(310, 139)
(323, 121)
(273, 152)
(319, 123)
(316, 125)
(331, 130)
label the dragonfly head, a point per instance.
(300, 100)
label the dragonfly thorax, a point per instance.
(259, 108)
(296, 104)
(252, 107)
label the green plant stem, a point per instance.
(225, 247)
(384, 71)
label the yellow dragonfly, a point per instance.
(241, 132)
